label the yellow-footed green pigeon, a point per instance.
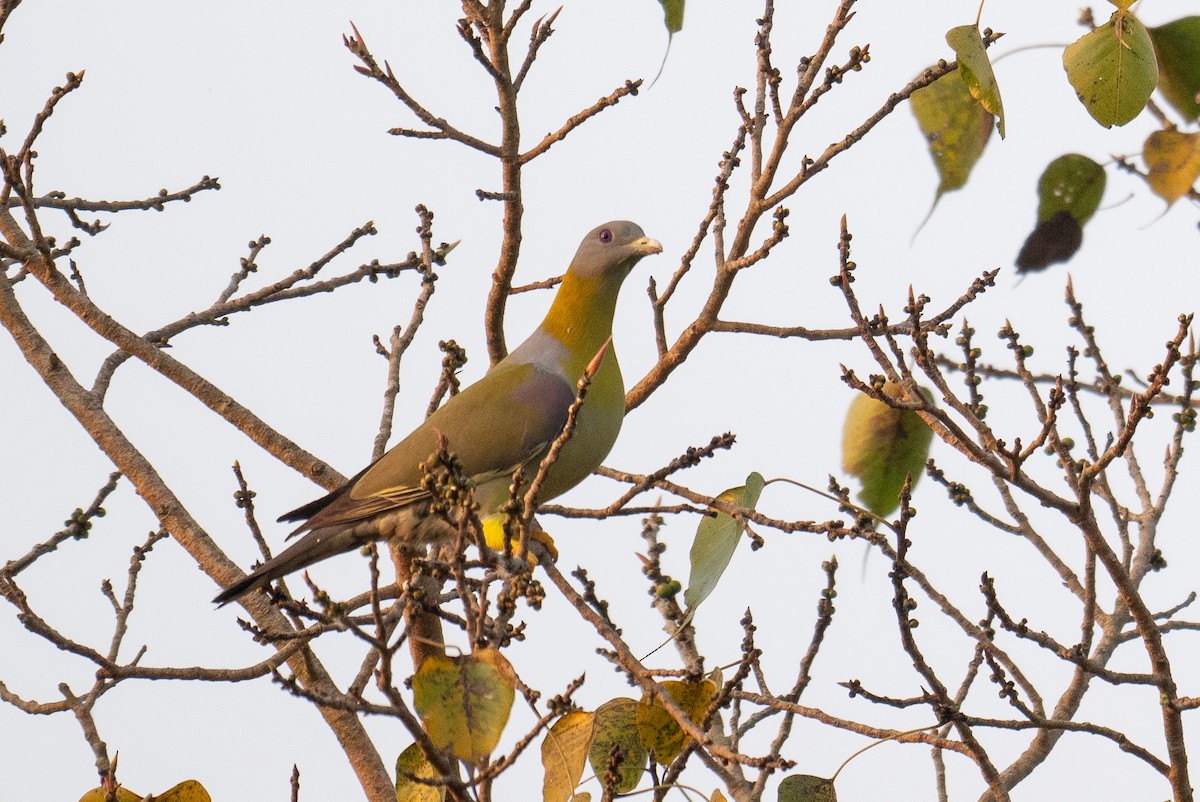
(505, 421)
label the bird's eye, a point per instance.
(606, 236)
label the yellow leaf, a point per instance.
(186, 791)
(98, 795)
(564, 753)
(411, 767)
(465, 701)
(956, 126)
(658, 729)
(976, 70)
(616, 726)
(1172, 163)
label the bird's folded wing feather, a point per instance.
(495, 426)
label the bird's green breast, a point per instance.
(598, 425)
(510, 417)
(576, 328)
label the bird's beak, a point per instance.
(646, 246)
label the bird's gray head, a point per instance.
(612, 249)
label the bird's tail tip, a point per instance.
(235, 591)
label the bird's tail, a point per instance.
(313, 547)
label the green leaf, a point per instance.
(806, 788)
(616, 725)
(1172, 163)
(1069, 192)
(1113, 69)
(564, 754)
(976, 69)
(672, 15)
(717, 537)
(956, 126)
(412, 763)
(1072, 183)
(464, 701)
(1177, 45)
(882, 446)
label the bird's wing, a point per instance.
(495, 426)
